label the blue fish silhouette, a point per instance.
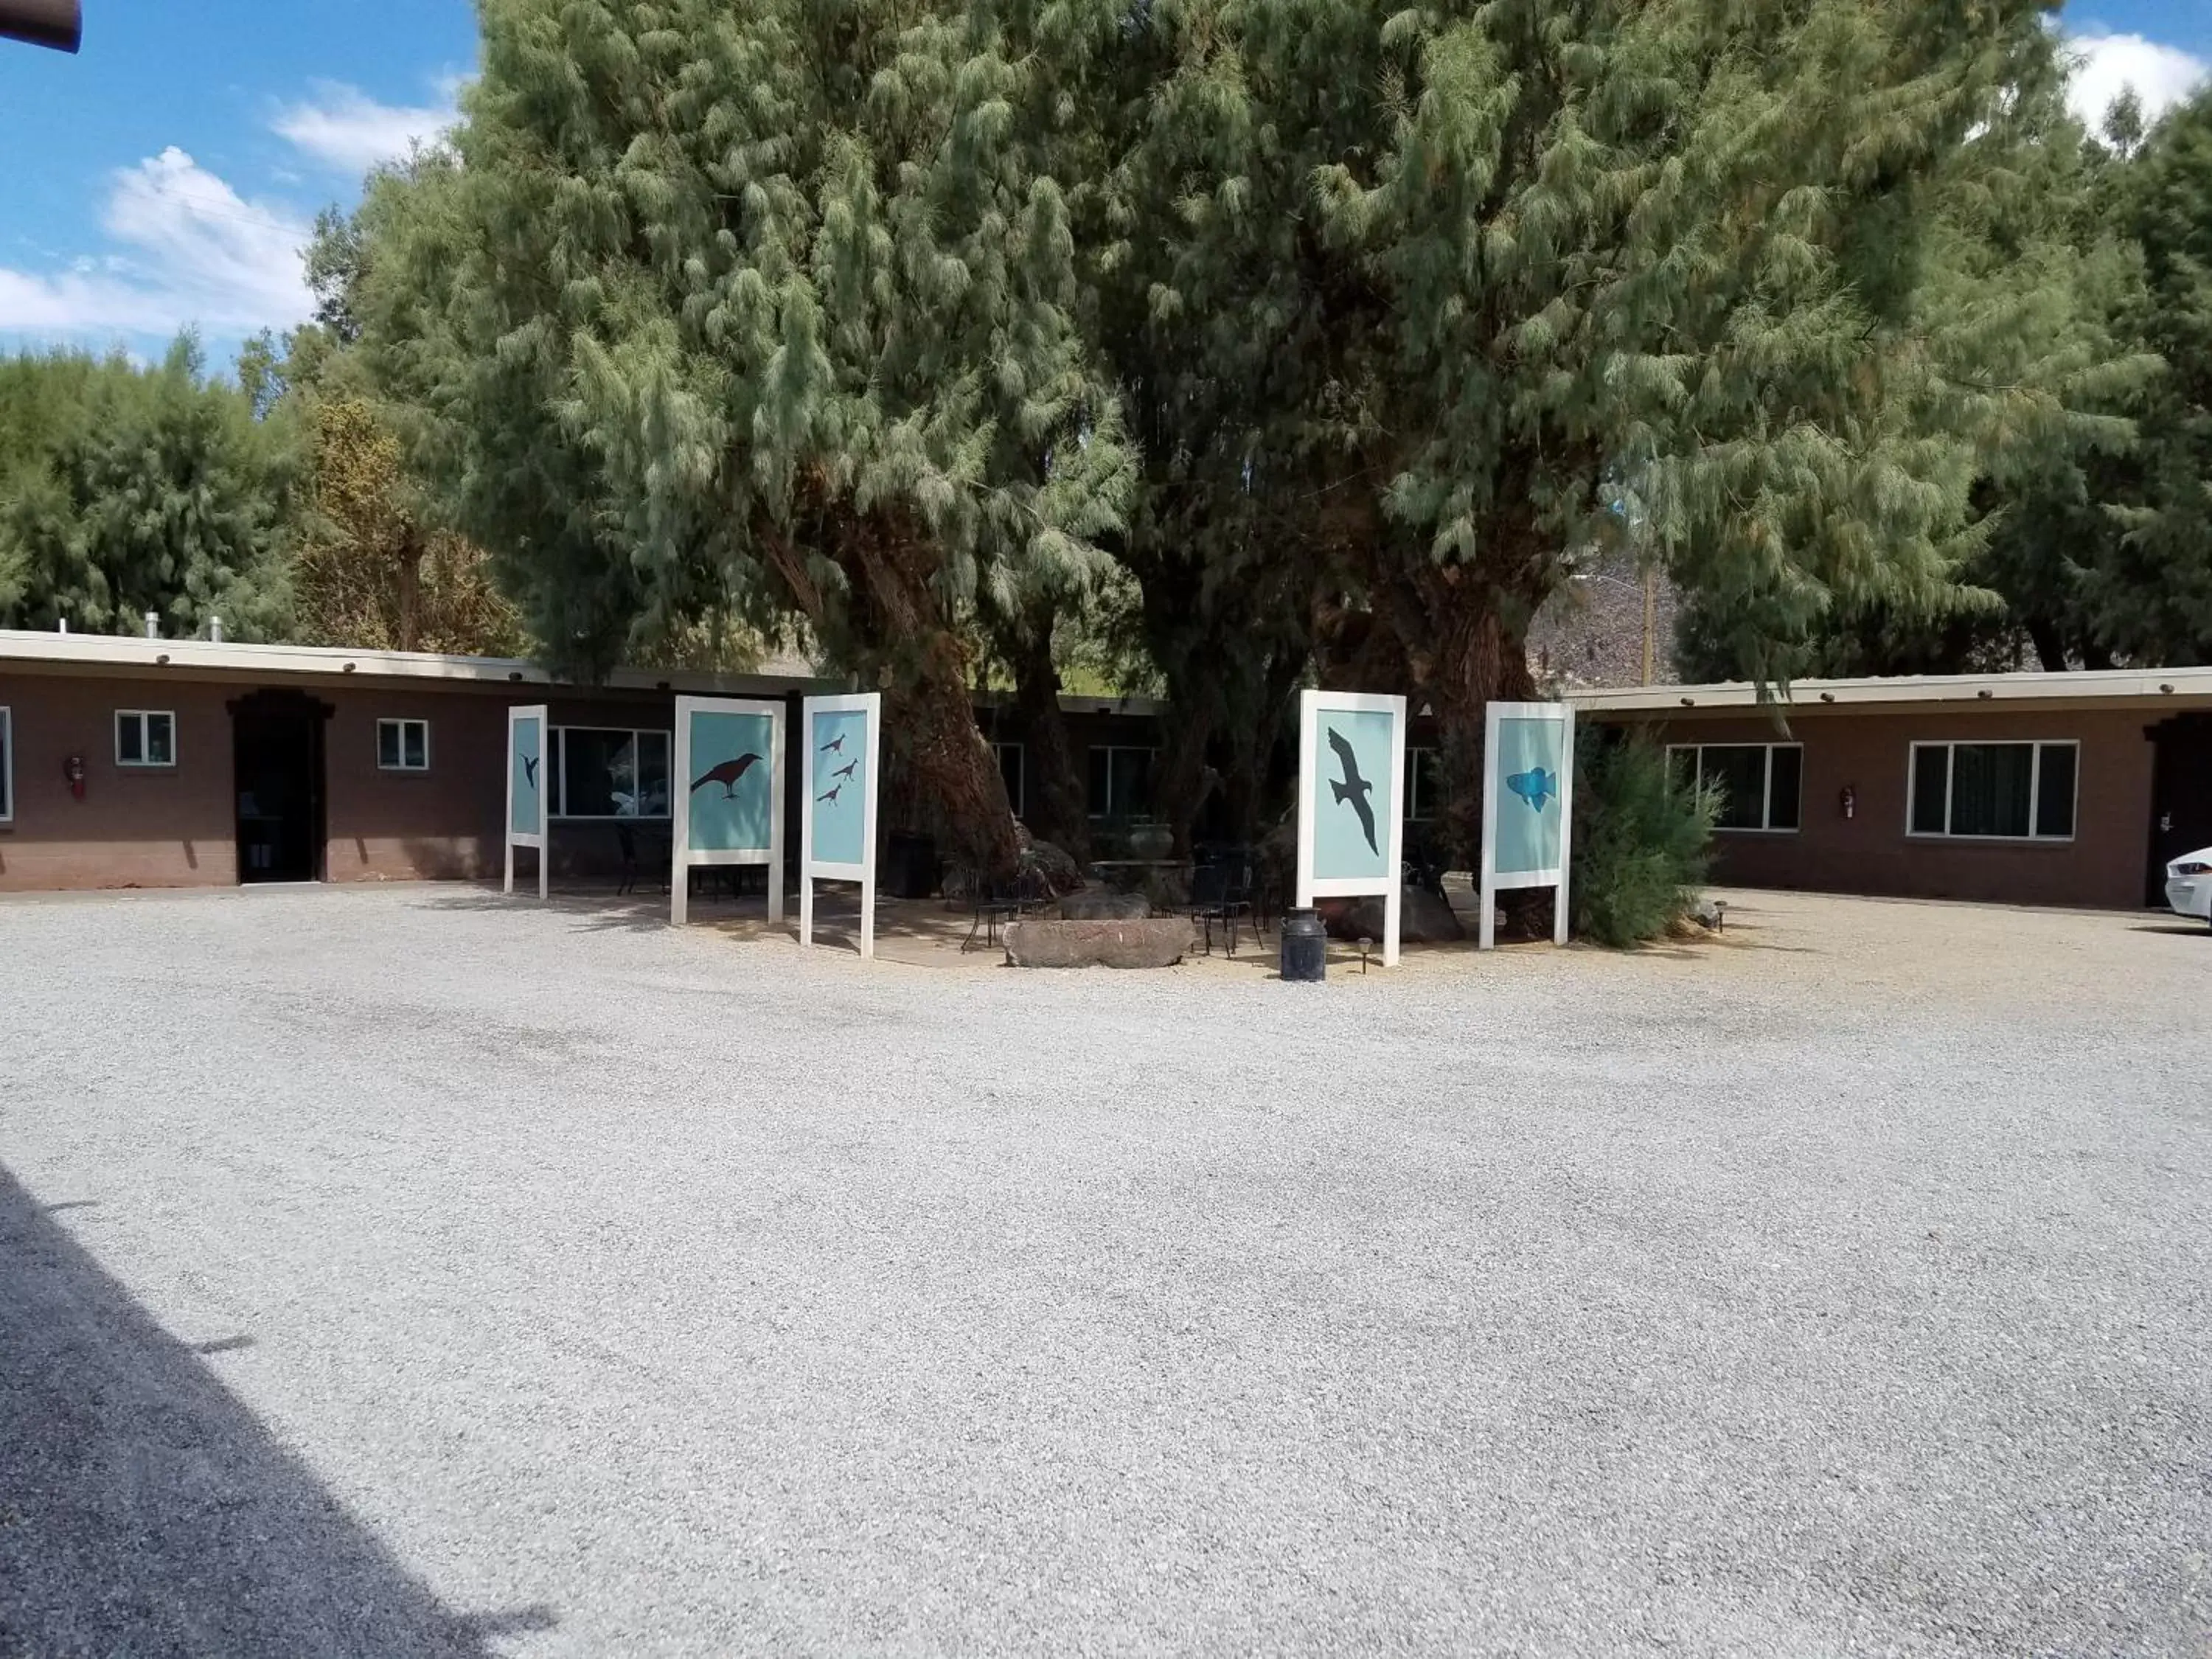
(1535, 786)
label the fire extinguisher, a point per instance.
(73, 773)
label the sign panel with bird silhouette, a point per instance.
(837, 804)
(526, 788)
(1528, 806)
(729, 766)
(1351, 770)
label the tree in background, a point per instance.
(767, 314)
(125, 490)
(1442, 284)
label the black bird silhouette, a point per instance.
(1354, 788)
(838, 744)
(847, 770)
(530, 769)
(832, 796)
(726, 774)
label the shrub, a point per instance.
(1642, 842)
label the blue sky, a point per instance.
(167, 175)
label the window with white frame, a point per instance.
(1013, 768)
(403, 745)
(1425, 785)
(1994, 790)
(7, 767)
(1121, 782)
(609, 772)
(145, 736)
(1760, 786)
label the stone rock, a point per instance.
(1424, 918)
(1708, 914)
(1158, 942)
(1098, 905)
(1047, 865)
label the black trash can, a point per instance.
(1306, 946)
(910, 865)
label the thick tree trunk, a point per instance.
(1475, 662)
(410, 584)
(2050, 649)
(1056, 810)
(1180, 784)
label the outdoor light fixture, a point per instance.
(347, 669)
(162, 658)
(2166, 688)
(1986, 693)
(56, 23)
(1827, 697)
(73, 775)
(1849, 800)
(1689, 702)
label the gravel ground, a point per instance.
(414, 1271)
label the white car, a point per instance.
(2189, 884)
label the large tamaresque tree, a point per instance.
(1453, 288)
(761, 311)
(127, 490)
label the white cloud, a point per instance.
(191, 251)
(2161, 75)
(345, 129)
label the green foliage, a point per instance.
(125, 490)
(1642, 842)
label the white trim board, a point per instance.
(812, 869)
(683, 860)
(1391, 884)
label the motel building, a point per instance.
(149, 762)
(2071, 789)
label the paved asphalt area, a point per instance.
(417, 1272)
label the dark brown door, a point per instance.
(276, 739)
(2180, 795)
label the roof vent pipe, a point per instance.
(215, 630)
(61, 625)
(153, 624)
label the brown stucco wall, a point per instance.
(1870, 853)
(178, 827)
(166, 827)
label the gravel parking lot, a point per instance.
(414, 1271)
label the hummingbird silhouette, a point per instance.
(847, 770)
(1354, 788)
(838, 744)
(726, 774)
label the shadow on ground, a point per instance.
(144, 1510)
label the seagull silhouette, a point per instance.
(1354, 788)
(726, 774)
(831, 797)
(847, 770)
(838, 746)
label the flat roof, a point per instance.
(30, 649)
(2148, 685)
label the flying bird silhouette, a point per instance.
(1354, 788)
(847, 770)
(530, 769)
(726, 774)
(831, 797)
(1535, 786)
(838, 746)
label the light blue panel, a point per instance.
(1351, 791)
(527, 765)
(731, 782)
(1525, 780)
(840, 737)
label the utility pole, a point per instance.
(56, 23)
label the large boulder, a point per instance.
(1098, 904)
(1424, 918)
(1159, 942)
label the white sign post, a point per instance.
(1527, 807)
(527, 746)
(727, 805)
(839, 741)
(1352, 799)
